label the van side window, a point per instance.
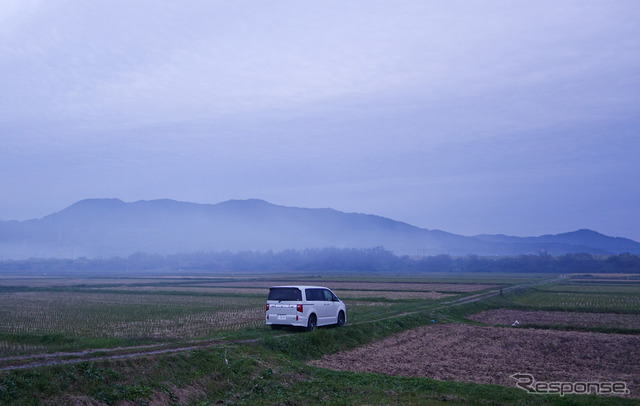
(314, 294)
(328, 296)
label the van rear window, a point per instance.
(289, 294)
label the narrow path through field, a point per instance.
(62, 358)
(468, 299)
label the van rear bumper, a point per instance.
(287, 320)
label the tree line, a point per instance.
(327, 259)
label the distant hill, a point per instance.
(111, 227)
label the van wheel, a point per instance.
(341, 319)
(313, 323)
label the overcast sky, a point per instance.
(478, 116)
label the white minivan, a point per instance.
(304, 306)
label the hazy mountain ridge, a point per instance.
(111, 227)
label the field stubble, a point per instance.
(592, 301)
(98, 315)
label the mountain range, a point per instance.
(111, 227)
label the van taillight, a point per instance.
(267, 306)
(299, 308)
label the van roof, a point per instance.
(299, 287)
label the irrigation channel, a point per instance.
(62, 358)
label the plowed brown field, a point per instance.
(490, 355)
(577, 319)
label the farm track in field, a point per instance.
(468, 299)
(62, 358)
